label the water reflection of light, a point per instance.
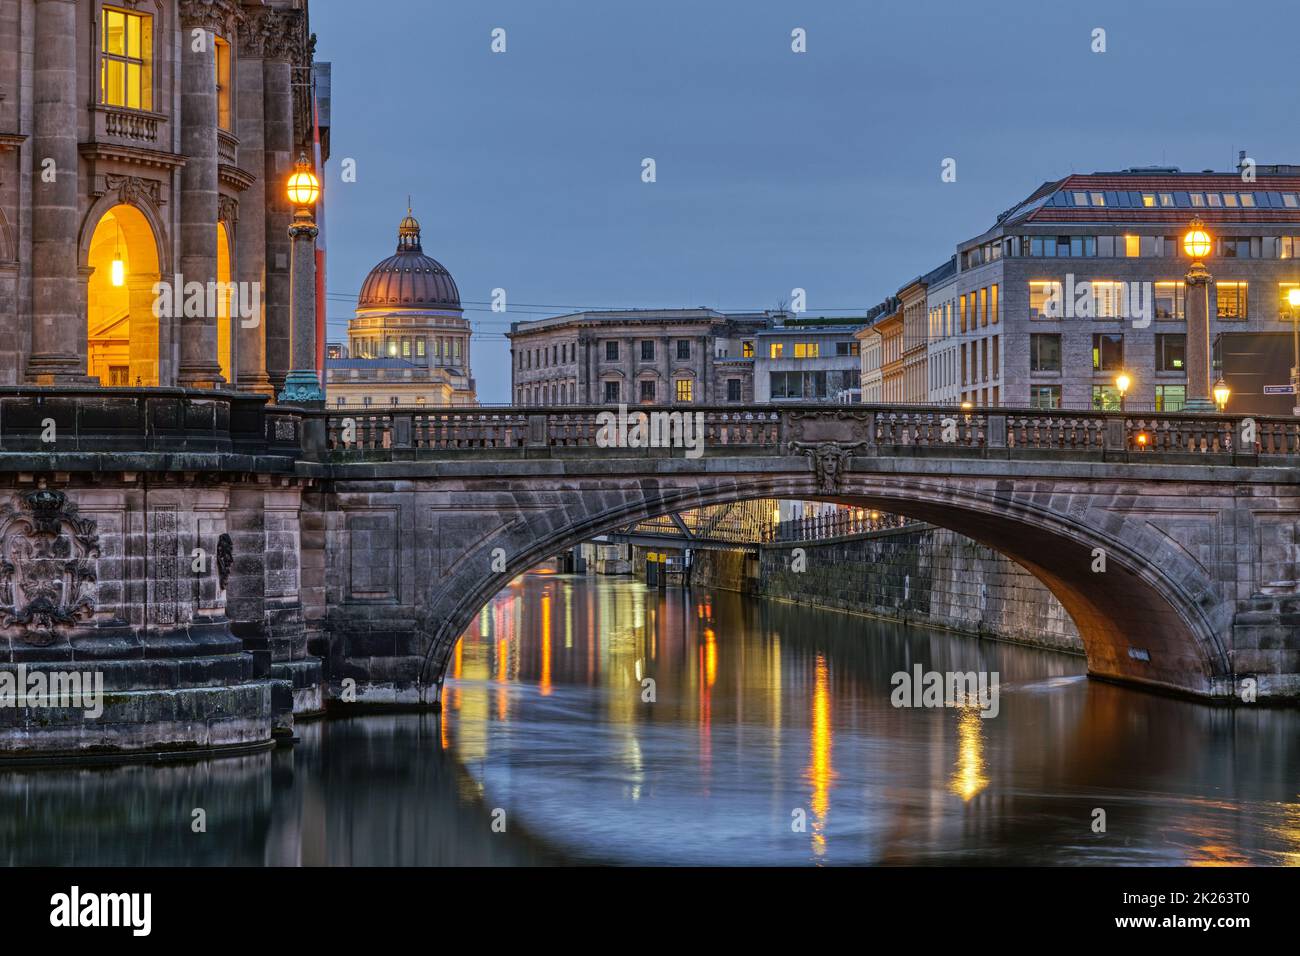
(710, 656)
(545, 679)
(968, 779)
(820, 772)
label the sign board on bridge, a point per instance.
(1279, 389)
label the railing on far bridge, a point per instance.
(985, 432)
(841, 523)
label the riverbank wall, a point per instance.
(918, 574)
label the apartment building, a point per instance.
(809, 360)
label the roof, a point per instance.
(409, 279)
(1160, 195)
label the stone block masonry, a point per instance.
(924, 574)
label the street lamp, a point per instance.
(1198, 244)
(1221, 394)
(1122, 382)
(1293, 298)
(302, 384)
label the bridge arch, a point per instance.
(1154, 616)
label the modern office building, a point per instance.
(1084, 279)
(409, 343)
(809, 360)
(942, 359)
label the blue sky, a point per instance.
(775, 170)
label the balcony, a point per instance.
(127, 127)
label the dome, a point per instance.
(410, 279)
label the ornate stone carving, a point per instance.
(222, 17)
(47, 565)
(227, 209)
(834, 425)
(131, 189)
(830, 461)
(225, 558)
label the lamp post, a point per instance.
(1293, 298)
(1122, 382)
(302, 385)
(1197, 244)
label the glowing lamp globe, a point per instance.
(1221, 394)
(1122, 382)
(1293, 298)
(1197, 243)
(118, 273)
(304, 187)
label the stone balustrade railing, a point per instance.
(841, 523)
(992, 433)
(37, 422)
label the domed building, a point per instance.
(409, 344)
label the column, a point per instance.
(199, 367)
(251, 266)
(55, 358)
(301, 385)
(1199, 398)
(279, 159)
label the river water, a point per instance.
(593, 720)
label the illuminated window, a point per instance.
(1105, 398)
(1109, 299)
(1171, 398)
(406, 348)
(126, 60)
(1283, 300)
(1132, 247)
(1230, 200)
(1214, 199)
(685, 390)
(1098, 199)
(1232, 300)
(419, 348)
(747, 349)
(1040, 294)
(805, 349)
(963, 313)
(993, 303)
(984, 307)
(1248, 200)
(1166, 199)
(1107, 352)
(1148, 199)
(1169, 300)
(1198, 199)
(223, 83)
(776, 349)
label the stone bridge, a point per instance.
(226, 565)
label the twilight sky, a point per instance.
(775, 170)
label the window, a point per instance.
(611, 351)
(1234, 247)
(1044, 396)
(747, 350)
(847, 348)
(805, 349)
(1098, 199)
(1132, 247)
(776, 349)
(984, 308)
(1041, 294)
(611, 392)
(126, 61)
(419, 348)
(1107, 352)
(647, 390)
(647, 350)
(1284, 301)
(1109, 299)
(340, 402)
(1170, 299)
(224, 92)
(1148, 199)
(393, 400)
(963, 313)
(1044, 352)
(733, 389)
(1232, 300)
(1105, 398)
(1171, 352)
(683, 349)
(685, 390)
(406, 348)
(1171, 398)
(993, 304)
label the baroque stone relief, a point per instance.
(830, 461)
(47, 565)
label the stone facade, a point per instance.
(635, 356)
(175, 164)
